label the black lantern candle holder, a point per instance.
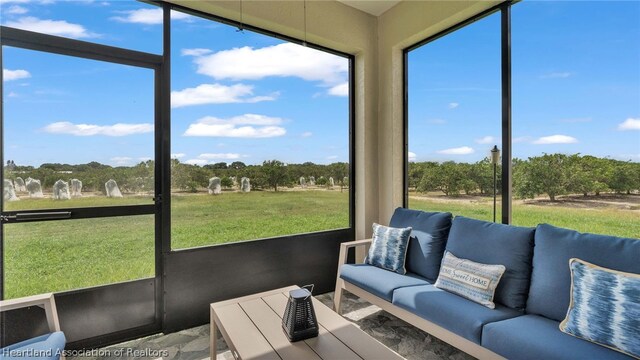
(299, 321)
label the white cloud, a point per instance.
(332, 157)
(199, 162)
(195, 52)
(238, 126)
(629, 124)
(65, 127)
(437, 121)
(216, 94)
(340, 90)
(52, 27)
(17, 10)
(147, 16)
(178, 155)
(486, 140)
(8, 75)
(464, 150)
(219, 156)
(121, 160)
(453, 105)
(412, 156)
(555, 139)
(3, 2)
(306, 134)
(279, 60)
(556, 75)
(145, 158)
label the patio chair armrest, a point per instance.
(344, 250)
(46, 301)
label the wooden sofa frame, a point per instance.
(362, 247)
(46, 301)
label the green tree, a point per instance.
(237, 165)
(226, 182)
(586, 174)
(624, 177)
(448, 177)
(275, 173)
(546, 174)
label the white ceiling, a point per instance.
(373, 7)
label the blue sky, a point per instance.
(576, 84)
(249, 97)
(236, 96)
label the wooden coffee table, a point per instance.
(252, 328)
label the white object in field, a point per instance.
(19, 184)
(34, 188)
(312, 180)
(112, 189)
(8, 191)
(331, 183)
(214, 186)
(61, 190)
(76, 188)
(303, 182)
(245, 185)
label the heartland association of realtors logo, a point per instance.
(116, 352)
(466, 277)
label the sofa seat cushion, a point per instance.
(48, 346)
(378, 281)
(450, 311)
(491, 243)
(428, 239)
(535, 337)
(550, 290)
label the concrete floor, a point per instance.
(193, 344)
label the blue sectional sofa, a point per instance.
(531, 299)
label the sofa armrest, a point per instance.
(358, 244)
(46, 301)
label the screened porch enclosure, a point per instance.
(161, 156)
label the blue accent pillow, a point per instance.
(428, 239)
(490, 243)
(389, 248)
(604, 307)
(471, 280)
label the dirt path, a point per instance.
(621, 202)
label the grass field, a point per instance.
(63, 255)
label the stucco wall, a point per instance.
(377, 44)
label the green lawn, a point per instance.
(206, 220)
(63, 255)
(609, 221)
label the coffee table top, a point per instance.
(252, 328)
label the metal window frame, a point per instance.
(34, 41)
(505, 70)
(351, 126)
(161, 208)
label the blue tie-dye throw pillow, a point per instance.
(389, 248)
(604, 307)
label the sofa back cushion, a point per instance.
(491, 243)
(550, 290)
(428, 239)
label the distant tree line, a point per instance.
(271, 174)
(549, 174)
(139, 178)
